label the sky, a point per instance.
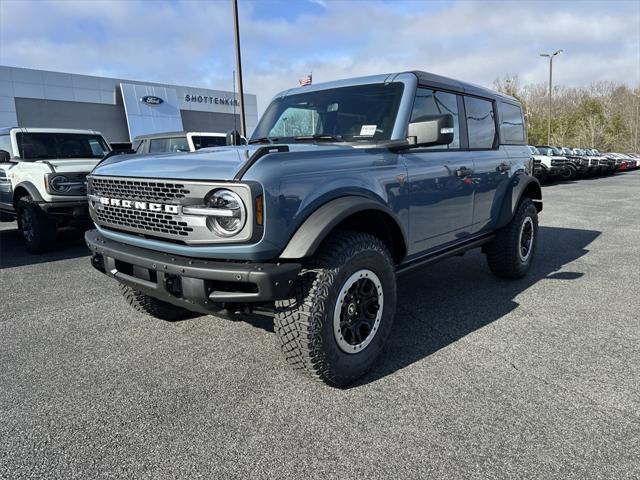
(190, 42)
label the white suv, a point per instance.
(43, 179)
(174, 142)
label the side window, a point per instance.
(178, 144)
(159, 145)
(512, 124)
(433, 102)
(5, 144)
(481, 123)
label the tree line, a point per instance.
(603, 115)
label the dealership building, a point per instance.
(119, 109)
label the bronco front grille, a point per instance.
(557, 162)
(150, 191)
(148, 221)
(155, 208)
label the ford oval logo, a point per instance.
(151, 100)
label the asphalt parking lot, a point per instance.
(482, 378)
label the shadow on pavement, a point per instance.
(445, 302)
(69, 244)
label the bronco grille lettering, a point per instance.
(147, 206)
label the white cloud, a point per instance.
(190, 42)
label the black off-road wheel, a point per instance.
(154, 307)
(510, 254)
(37, 229)
(569, 173)
(341, 309)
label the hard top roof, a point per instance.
(424, 78)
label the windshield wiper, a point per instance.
(331, 138)
(263, 140)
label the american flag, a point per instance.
(306, 80)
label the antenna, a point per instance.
(235, 118)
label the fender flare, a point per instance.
(322, 221)
(30, 188)
(517, 188)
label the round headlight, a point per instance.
(58, 184)
(231, 223)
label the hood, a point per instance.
(219, 163)
(76, 165)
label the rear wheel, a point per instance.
(154, 307)
(341, 309)
(38, 230)
(510, 254)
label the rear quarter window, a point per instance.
(511, 124)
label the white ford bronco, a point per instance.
(43, 180)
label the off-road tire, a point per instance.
(37, 229)
(304, 323)
(570, 173)
(502, 252)
(154, 307)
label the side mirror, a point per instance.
(431, 130)
(234, 137)
(5, 157)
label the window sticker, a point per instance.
(368, 130)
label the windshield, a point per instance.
(556, 151)
(205, 141)
(49, 145)
(362, 112)
(534, 150)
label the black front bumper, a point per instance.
(192, 283)
(77, 209)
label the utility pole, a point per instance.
(236, 28)
(550, 56)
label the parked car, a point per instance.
(43, 180)
(176, 142)
(554, 164)
(592, 161)
(343, 186)
(606, 166)
(576, 161)
(633, 161)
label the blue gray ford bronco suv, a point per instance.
(343, 185)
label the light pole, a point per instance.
(236, 29)
(550, 56)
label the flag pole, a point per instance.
(236, 28)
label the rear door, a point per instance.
(439, 180)
(491, 164)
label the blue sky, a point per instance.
(191, 42)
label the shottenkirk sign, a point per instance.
(214, 100)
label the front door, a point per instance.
(440, 182)
(440, 198)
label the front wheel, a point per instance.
(341, 308)
(569, 173)
(38, 230)
(510, 254)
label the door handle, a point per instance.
(503, 167)
(463, 172)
